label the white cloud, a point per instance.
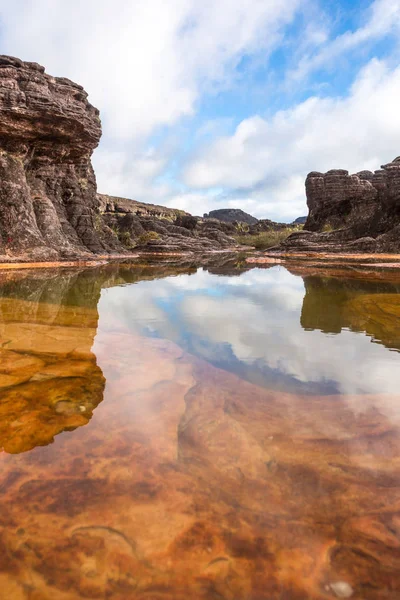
(284, 202)
(120, 172)
(268, 159)
(383, 19)
(148, 65)
(144, 63)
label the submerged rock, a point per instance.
(49, 378)
(341, 589)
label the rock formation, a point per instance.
(50, 209)
(358, 212)
(49, 206)
(231, 215)
(114, 204)
(152, 228)
(48, 131)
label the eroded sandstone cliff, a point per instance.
(115, 204)
(49, 206)
(153, 229)
(48, 131)
(358, 212)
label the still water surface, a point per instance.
(199, 434)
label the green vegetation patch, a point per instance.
(267, 239)
(147, 237)
(125, 239)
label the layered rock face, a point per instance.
(49, 206)
(48, 131)
(152, 228)
(358, 212)
(115, 204)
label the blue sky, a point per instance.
(223, 103)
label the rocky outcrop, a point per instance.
(236, 222)
(49, 206)
(231, 215)
(48, 131)
(267, 225)
(152, 228)
(114, 204)
(358, 212)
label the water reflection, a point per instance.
(373, 307)
(269, 326)
(49, 378)
(192, 481)
(245, 321)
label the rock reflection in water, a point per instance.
(49, 378)
(190, 482)
(332, 304)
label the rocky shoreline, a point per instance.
(51, 212)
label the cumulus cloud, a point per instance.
(270, 157)
(146, 66)
(383, 19)
(144, 63)
(151, 66)
(134, 171)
